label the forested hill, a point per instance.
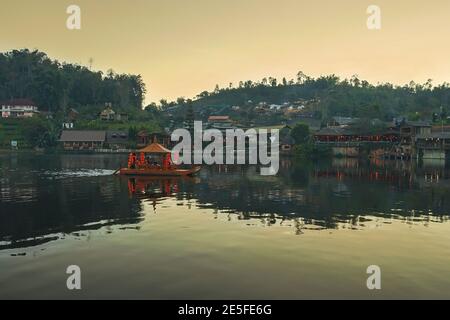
(53, 85)
(354, 97)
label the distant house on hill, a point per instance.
(72, 114)
(220, 122)
(342, 121)
(18, 108)
(108, 114)
(70, 118)
(82, 139)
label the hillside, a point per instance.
(55, 86)
(329, 96)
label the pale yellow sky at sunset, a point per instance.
(182, 47)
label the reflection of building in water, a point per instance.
(152, 187)
(156, 189)
(35, 209)
(322, 195)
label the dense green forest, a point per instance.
(334, 96)
(54, 86)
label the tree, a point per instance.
(301, 77)
(39, 133)
(54, 86)
(181, 100)
(132, 133)
(300, 133)
(273, 81)
(164, 104)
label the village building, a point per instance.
(348, 142)
(341, 121)
(117, 140)
(108, 114)
(145, 138)
(347, 135)
(87, 140)
(441, 128)
(434, 145)
(70, 119)
(220, 122)
(72, 115)
(18, 108)
(408, 132)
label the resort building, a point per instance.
(435, 145)
(117, 140)
(346, 135)
(348, 142)
(408, 132)
(220, 122)
(18, 108)
(88, 140)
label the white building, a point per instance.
(18, 108)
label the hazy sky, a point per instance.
(182, 47)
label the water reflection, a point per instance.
(46, 198)
(156, 189)
(42, 199)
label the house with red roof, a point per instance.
(18, 108)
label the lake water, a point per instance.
(309, 232)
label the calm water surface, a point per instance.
(309, 232)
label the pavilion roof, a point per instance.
(155, 148)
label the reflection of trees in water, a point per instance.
(324, 197)
(343, 194)
(59, 206)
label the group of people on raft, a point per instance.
(141, 161)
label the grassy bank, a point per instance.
(11, 129)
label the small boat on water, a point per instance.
(155, 160)
(170, 172)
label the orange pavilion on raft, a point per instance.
(155, 160)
